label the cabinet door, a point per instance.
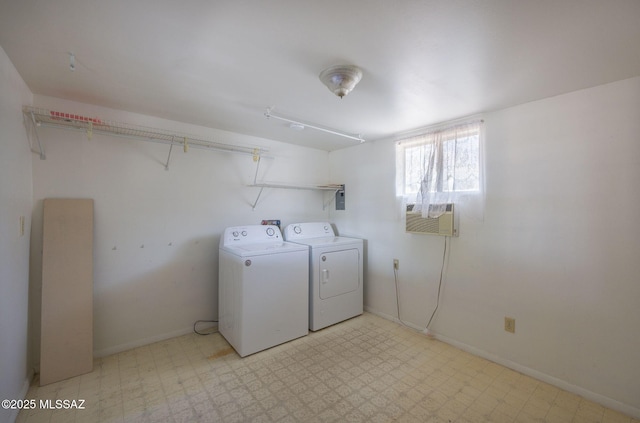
(66, 345)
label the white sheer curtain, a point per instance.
(449, 165)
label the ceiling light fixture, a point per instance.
(341, 79)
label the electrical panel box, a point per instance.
(340, 199)
(442, 225)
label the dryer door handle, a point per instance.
(325, 275)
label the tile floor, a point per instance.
(367, 369)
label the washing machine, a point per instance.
(335, 272)
(263, 288)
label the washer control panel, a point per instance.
(250, 234)
(308, 230)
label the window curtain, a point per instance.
(452, 171)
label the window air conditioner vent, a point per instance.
(442, 225)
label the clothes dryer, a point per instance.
(335, 272)
(263, 288)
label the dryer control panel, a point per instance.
(297, 231)
(250, 234)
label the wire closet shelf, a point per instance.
(48, 118)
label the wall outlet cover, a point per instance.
(510, 324)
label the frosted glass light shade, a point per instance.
(341, 79)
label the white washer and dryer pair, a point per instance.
(335, 272)
(263, 288)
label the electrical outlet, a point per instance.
(396, 264)
(510, 324)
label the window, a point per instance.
(441, 166)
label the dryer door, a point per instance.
(339, 272)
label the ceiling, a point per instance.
(221, 63)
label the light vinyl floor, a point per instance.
(366, 369)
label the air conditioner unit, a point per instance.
(442, 225)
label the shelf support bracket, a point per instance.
(333, 197)
(33, 125)
(257, 198)
(166, 166)
(256, 158)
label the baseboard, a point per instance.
(559, 383)
(22, 395)
(393, 319)
(140, 342)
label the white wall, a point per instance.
(15, 201)
(157, 231)
(559, 248)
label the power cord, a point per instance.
(444, 256)
(395, 275)
(204, 321)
